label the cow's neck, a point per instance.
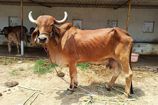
(55, 52)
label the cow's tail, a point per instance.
(131, 89)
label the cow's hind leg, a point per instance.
(128, 77)
(73, 76)
(116, 71)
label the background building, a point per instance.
(92, 14)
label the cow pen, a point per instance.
(48, 88)
(29, 77)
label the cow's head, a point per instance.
(6, 30)
(45, 26)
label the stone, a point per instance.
(61, 74)
(11, 83)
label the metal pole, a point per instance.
(128, 14)
(22, 36)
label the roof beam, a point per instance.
(41, 3)
(121, 5)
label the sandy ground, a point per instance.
(49, 89)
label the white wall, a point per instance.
(92, 18)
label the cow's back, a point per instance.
(89, 44)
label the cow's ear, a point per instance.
(55, 33)
(34, 36)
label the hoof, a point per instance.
(107, 87)
(128, 95)
(76, 84)
(69, 91)
(60, 74)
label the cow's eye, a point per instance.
(37, 26)
(52, 25)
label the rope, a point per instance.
(59, 75)
(90, 94)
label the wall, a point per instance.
(92, 18)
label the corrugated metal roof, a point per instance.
(97, 3)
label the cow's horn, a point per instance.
(63, 20)
(31, 18)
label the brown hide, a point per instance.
(91, 45)
(88, 45)
(12, 33)
(12, 38)
(73, 46)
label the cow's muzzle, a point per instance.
(42, 38)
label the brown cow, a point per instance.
(68, 45)
(12, 33)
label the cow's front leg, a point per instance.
(9, 47)
(73, 76)
(18, 49)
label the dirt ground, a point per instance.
(48, 89)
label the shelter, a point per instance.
(141, 19)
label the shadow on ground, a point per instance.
(96, 89)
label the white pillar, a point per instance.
(22, 36)
(22, 47)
